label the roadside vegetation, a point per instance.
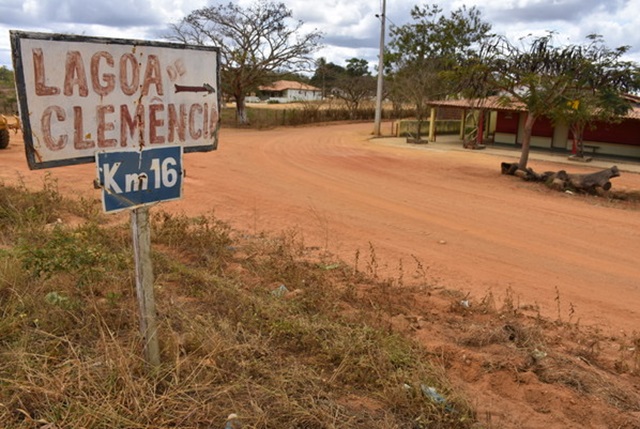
(249, 324)
(260, 325)
(304, 113)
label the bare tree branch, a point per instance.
(254, 42)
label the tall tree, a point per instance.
(326, 75)
(255, 42)
(422, 54)
(358, 67)
(355, 84)
(545, 77)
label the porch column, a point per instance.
(432, 125)
(481, 127)
(463, 124)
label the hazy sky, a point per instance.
(350, 27)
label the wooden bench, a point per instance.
(592, 148)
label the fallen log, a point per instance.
(599, 179)
(561, 180)
(513, 169)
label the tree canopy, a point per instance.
(326, 75)
(597, 91)
(8, 98)
(255, 43)
(424, 53)
(434, 36)
(6, 77)
(352, 83)
(554, 81)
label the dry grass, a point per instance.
(515, 339)
(310, 357)
(264, 327)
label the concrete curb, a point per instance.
(453, 143)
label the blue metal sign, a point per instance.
(134, 178)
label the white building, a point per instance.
(287, 91)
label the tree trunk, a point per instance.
(526, 140)
(419, 134)
(241, 111)
(577, 130)
(480, 136)
(417, 137)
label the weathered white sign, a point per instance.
(80, 95)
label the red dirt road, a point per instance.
(475, 229)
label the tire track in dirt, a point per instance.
(339, 189)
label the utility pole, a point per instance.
(378, 117)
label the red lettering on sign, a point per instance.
(154, 123)
(45, 122)
(177, 122)
(164, 124)
(152, 76)
(75, 75)
(38, 71)
(213, 122)
(108, 82)
(79, 141)
(129, 124)
(129, 74)
(205, 120)
(194, 132)
(104, 126)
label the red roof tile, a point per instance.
(283, 85)
(500, 103)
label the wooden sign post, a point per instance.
(141, 232)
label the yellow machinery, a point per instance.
(6, 124)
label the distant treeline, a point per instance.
(8, 99)
(273, 117)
